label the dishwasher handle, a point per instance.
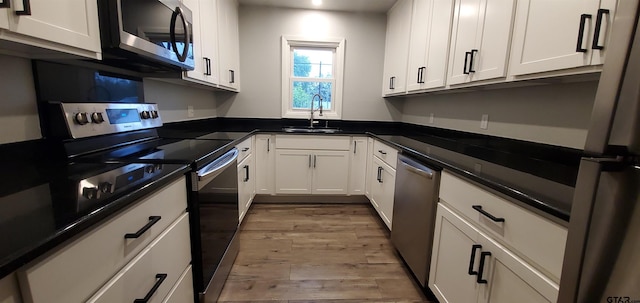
(425, 173)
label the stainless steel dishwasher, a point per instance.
(414, 212)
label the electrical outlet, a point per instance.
(431, 118)
(190, 112)
(484, 123)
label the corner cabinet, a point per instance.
(467, 266)
(480, 40)
(229, 45)
(429, 44)
(65, 26)
(397, 48)
(554, 35)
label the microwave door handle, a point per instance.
(172, 32)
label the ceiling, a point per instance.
(376, 6)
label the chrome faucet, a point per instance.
(311, 122)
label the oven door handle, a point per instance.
(218, 165)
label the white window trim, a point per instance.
(287, 104)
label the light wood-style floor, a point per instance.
(325, 253)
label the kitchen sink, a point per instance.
(302, 129)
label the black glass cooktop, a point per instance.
(189, 151)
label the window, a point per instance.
(312, 71)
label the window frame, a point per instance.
(336, 45)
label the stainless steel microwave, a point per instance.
(148, 36)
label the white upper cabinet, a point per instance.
(229, 44)
(553, 35)
(69, 26)
(397, 48)
(429, 44)
(205, 50)
(480, 40)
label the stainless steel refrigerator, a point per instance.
(602, 256)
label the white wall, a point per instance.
(261, 29)
(174, 99)
(18, 110)
(556, 114)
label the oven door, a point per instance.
(214, 212)
(160, 30)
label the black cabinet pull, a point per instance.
(380, 174)
(473, 259)
(268, 144)
(421, 75)
(152, 221)
(472, 54)
(466, 61)
(26, 8)
(232, 76)
(245, 149)
(5, 4)
(583, 20)
(160, 278)
(309, 161)
(314, 161)
(392, 83)
(246, 173)
(355, 146)
(382, 152)
(479, 279)
(596, 34)
(172, 34)
(207, 66)
(486, 214)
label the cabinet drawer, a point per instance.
(82, 266)
(534, 237)
(313, 142)
(244, 148)
(183, 290)
(386, 153)
(168, 255)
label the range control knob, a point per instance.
(90, 193)
(145, 114)
(105, 187)
(150, 169)
(154, 114)
(97, 118)
(81, 118)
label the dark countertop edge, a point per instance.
(23, 257)
(516, 196)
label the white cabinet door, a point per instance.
(382, 190)
(4, 14)
(358, 166)
(510, 279)
(199, 69)
(397, 48)
(293, 171)
(69, 22)
(183, 290)
(546, 35)
(265, 158)
(480, 40)
(453, 245)
(371, 177)
(229, 44)
(429, 44)
(209, 39)
(330, 172)
(246, 187)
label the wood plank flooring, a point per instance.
(324, 253)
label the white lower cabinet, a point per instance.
(358, 165)
(152, 274)
(383, 182)
(468, 266)
(103, 252)
(312, 172)
(9, 290)
(182, 292)
(265, 160)
(246, 185)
